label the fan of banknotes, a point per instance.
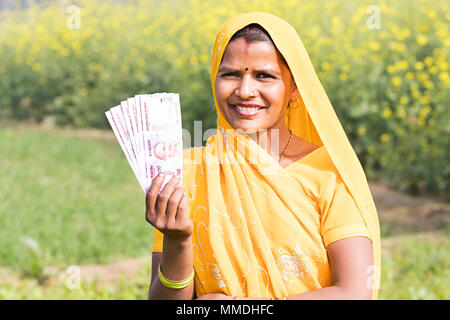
(148, 128)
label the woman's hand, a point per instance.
(167, 210)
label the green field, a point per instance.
(70, 198)
(74, 194)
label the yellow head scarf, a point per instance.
(242, 208)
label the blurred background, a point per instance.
(72, 220)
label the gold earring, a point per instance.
(290, 105)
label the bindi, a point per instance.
(246, 69)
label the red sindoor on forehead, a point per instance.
(247, 44)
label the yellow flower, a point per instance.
(336, 21)
(384, 137)
(326, 66)
(387, 112)
(443, 65)
(425, 111)
(428, 61)
(374, 45)
(140, 63)
(401, 111)
(362, 131)
(432, 14)
(390, 69)
(34, 49)
(409, 75)
(421, 40)
(76, 46)
(343, 76)
(425, 99)
(398, 46)
(421, 121)
(419, 65)
(404, 100)
(396, 81)
(371, 149)
(203, 58)
(404, 33)
(444, 77)
(193, 60)
(428, 84)
(423, 76)
(402, 65)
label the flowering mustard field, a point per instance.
(384, 65)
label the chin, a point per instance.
(249, 129)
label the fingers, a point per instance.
(167, 210)
(173, 203)
(182, 219)
(151, 197)
(165, 195)
(182, 208)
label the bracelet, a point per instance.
(175, 284)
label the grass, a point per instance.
(416, 266)
(57, 288)
(69, 197)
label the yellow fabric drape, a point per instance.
(243, 209)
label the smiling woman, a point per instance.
(254, 86)
(296, 222)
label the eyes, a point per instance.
(234, 74)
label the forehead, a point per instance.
(256, 52)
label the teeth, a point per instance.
(247, 108)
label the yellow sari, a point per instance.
(261, 230)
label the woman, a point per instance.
(276, 205)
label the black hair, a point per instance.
(254, 32)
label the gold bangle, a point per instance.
(175, 284)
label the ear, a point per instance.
(295, 94)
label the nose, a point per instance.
(245, 88)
